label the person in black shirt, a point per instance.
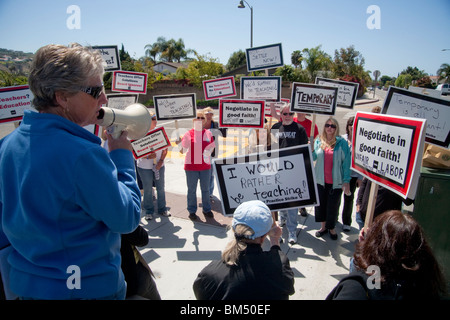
(288, 133)
(246, 272)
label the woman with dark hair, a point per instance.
(395, 245)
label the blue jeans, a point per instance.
(291, 219)
(192, 178)
(147, 178)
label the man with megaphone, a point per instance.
(64, 201)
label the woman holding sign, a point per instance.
(199, 144)
(332, 170)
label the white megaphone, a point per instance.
(135, 119)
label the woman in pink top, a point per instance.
(332, 170)
(199, 144)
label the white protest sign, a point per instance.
(261, 88)
(121, 101)
(265, 57)
(153, 141)
(126, 81)
(347, 91)
(110, 55)
(436, 111)
(241, 113)
(282, 179)
(175, 106)
(219, 88)
(388, 150)
(308, 98)
(14, 101)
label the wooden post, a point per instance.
(371, 205)
(311, 135)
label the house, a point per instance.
(168, 67)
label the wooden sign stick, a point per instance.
(371, 205)
(311, 135)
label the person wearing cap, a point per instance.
(288, 133)
(245, 270)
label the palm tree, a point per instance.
(152, 50)
(444, 72)
(296, 58)
(316, 60)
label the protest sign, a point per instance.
(175, 106)
(278, 106)
(241, 113)
(14, 101)
(219, 88)
(314, 98)
(388, 150)
(153, 141)
(265, 57)
(126, 81)
(347, 91)
(401, 102)
(261, 88)
(110, 55)
(121, 101)
(282, 179)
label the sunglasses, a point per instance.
(200, 118)
(94, 92)
(288, 114)
(330, 126)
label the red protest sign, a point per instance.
(388, 150)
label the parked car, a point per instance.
(444, 88)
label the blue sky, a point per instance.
(412, 32)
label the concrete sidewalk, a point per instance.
(179, 248)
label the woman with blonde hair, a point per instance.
(199, 144)
(245, 270)
(332, 171)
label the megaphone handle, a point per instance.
(115, 131)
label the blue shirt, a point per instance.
(64, 201)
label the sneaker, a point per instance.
(292, 238)
(148, 217)
(346, 228)
(166, 213)
(208, 214)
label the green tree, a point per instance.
(415, 73)
(168, 50)
(200, 69)
(297, 58)
(403, 80)
(316, 60)
(444, 72)
(236, 60)
(348, 61)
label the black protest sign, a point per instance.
(282, 179)
(401, 102)
(175, 106)
(347, 91)
(313, 98)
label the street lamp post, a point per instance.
(242, 5)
